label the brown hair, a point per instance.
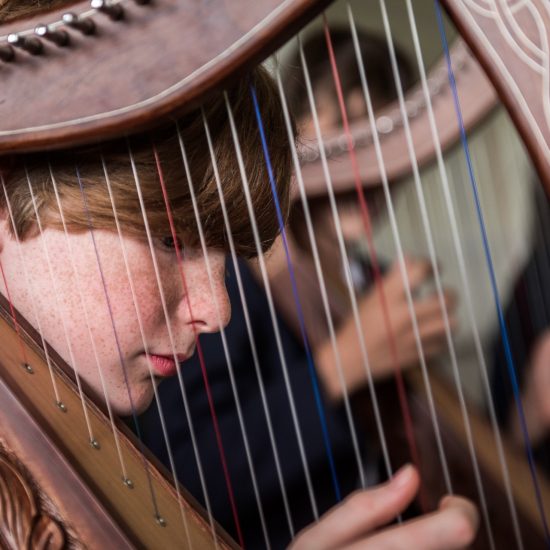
(116, 155)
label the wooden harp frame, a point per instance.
(89, 112)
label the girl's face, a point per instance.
(86, 309)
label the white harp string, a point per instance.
(59, 309)
(399, 249)
(339, 234)
(84, 309)
(32, 293)
(437, 279)
(324, 297)
(463, 276)
(172, 344)
(144, 341)
(222, 329)
(115, 333)
(321, 279)
(249, 330)
(267, 287)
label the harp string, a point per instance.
(168, 323)
(313, 374)
(220, 447)
(271, 306)
(145, 344)
(118, 347)
(32, 293)
(180, 261)
(248, 324)
(87, 322)
(500, 315)
(372, 252)
(339, 234)
(429, 239)
(462, 270)
(223, 337)
(59, 309)
(324, 294)
(435, 269)
(190, 180)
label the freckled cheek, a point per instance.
(149, 302)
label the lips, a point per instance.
(164, 365)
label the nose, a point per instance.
(207, 305)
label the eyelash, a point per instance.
(169, 243)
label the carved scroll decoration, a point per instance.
(24, 520)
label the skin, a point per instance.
(76, 345)
(357, 522)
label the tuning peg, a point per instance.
(6, 53)
(85, 25)
(60, 37)
(114, 11)
(27, 43)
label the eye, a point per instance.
(171, 243)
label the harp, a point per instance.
(84, 497)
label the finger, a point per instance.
(413, 267)
(418, 272)
(452, 527)
(392, 279)
(361, 513)
(430, 306)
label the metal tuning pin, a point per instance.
(84, 25)
(114, 11)
(7, 53)
(61, 37)
(28, 43)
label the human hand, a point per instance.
(356, 522)
(379, 344)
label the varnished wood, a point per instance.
(23, 521)
(521, 84)
(160, 60)
(78, 513)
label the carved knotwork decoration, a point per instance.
(24, 524)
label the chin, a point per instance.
(141, 402)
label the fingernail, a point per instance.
(403, 475)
